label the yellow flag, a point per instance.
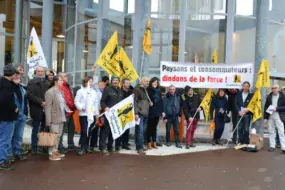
(255, 106)
(263, 76)
(109, 57)
(127, 69)
(206, 103)
(32, 49)
(147, 39)
(215, 57)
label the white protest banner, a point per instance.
(35, 55)
(121, 116)
(205, 75)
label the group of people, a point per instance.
(52, 103)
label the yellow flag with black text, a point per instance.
(108, 59)
(147, 47)
(127, 69)
(263, 75)
(206, 103)
(215, 57)
(255, 106)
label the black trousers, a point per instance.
(93, 134)
(151, 129)
(234, 121)
(105, 132)
(220, 125)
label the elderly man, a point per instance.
(142, 104)
(36, 90)
(277, 136)
(276, 99)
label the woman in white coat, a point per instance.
(86, 100)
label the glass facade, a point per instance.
(182, 30)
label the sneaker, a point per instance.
(187, 146)
(126, 147)
(271, 149)
(63, 150)
(72, 147)
(20, 157)
(141, 152)
(158, 144)
(54, 157)
(81, 152)
(105, 152)
(11, 159)
(24, 152)
(178, 145)
(59, 155)
(6, 166)
(168, 144)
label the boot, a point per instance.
(149, 146)
(154, 145)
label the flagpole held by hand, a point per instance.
(192, 120)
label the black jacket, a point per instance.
(232, 101)
(190, 105)
(7, 101)
(280, 106)
(36, 90)
(127, 93)
(240, 103)
(110, 97)
(172, 105)
(157, 108)
(217, 104)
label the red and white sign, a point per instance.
(205, 75)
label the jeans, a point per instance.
(6, 131)
(220, 126)
(69, 124)
(15, 147)
(37, 126)
(83, 136)
(152, 129)
(125, 138)
(243, 129)
(139, 130)
(190, 132)
(172, 121)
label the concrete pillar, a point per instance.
(182, 31)
(230, 19)
(18, 32)
(47, 30)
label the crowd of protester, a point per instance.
(50, 102)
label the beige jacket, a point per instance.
(52, 109)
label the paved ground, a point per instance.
(220, 169)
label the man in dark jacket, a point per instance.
(275, 120)
(172, 110)
(142, 104)
(191, 105)
(8, 114)
(232, 93)
(36, 90)
(242, 100)
(110, 97)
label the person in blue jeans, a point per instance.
(220, 105)
(172, 110)
(15, 147)
(8, 114)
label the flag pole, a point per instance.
(142, 65)
(233, 132)
(193, 119)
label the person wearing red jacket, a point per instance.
(69, 124)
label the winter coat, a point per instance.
(141, 101)
(68, 97)
(80, 101)
(171, 105)
(217, 104)
(156, 98)
(190, 105)
(280, 106)
(110, 97)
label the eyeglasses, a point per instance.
(274, 88)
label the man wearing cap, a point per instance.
(8, 114)
(110, 97)
(36, 90)
(191, 105)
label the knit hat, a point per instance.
(115, 76)
(187, 88)
(9, 70)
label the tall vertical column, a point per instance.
(18, 32)
(47, 30)
(142, 14)
(182, 30)
(230, 21)
(262, 18)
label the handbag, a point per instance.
(227, 119)
(47, 139)
(212, 129)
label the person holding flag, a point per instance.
(242, 101)
(86, 101)
(274, 115)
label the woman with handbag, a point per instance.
(55, 111)
(220, 106)
(86, 97)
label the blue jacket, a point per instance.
(171, 105)
(217, 104)
(240, 103)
